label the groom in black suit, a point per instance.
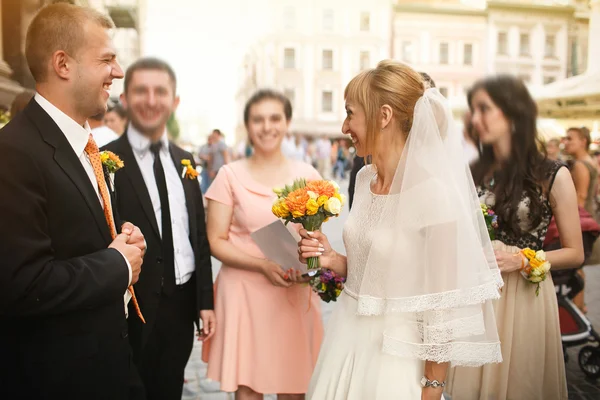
(64, 271)
(157, 193)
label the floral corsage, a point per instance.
(111, 161)
(111, 164)
(537, 267)
(188, 170)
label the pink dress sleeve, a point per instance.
(220, 188)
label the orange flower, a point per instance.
(321, 188)
(191, 173)
(113, 157)
(296, 202)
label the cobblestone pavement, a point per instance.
(580, 388)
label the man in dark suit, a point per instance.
(64, 271)
(157, 193)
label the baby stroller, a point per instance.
(575, 328)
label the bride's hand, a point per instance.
(316, 244)
(509, 262)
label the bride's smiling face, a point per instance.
(355, 125)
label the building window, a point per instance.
(444, 91)
(290, 94)
(468, 54)
(327, 101)
(289, 58)
(328, 20)
(550, 47)
(524, 44)
(327, 59)
(365, 22)
(549, 79)
(407, 51)
(365, 60)
(289, 18)
(502, 43)
(443, 53)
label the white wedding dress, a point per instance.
(351, 364)
(421, 273)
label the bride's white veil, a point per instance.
(431, 260)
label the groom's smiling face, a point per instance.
(150, 99)
(94, 67)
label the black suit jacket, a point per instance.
(63, 332)
(357, 165)
(134, 205)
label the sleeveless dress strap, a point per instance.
(555, 166)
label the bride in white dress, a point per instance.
(420, 267)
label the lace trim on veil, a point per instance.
(442, 331)
(369, 305)
(468, 354)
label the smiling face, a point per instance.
(150, 100)
(267, 125)
(94, 68)
(355, 126)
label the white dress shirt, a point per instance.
(185, 263)
(78, 136)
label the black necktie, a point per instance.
(168, 253)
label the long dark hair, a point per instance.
(525, 171)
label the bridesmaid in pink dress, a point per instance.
(269, 329)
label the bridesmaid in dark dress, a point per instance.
(525, 189)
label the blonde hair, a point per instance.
(391, 83)
(59, 26)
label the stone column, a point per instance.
(594, 38)
(8, 88)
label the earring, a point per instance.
(513, 129)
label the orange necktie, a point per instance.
(94, 154)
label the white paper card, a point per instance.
(279, 245)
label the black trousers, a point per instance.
(163, 359)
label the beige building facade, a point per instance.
(458, 42)
(311, 52)
(446, 39)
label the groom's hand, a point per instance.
(131, 252)
(136, 237)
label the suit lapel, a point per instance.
(66, 158)
(177, 155)
(134, 174)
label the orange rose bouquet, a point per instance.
(310, 204)
(537, 267)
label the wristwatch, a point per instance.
(434, 383)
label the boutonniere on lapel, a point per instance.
(111, 164)
(188, 171)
